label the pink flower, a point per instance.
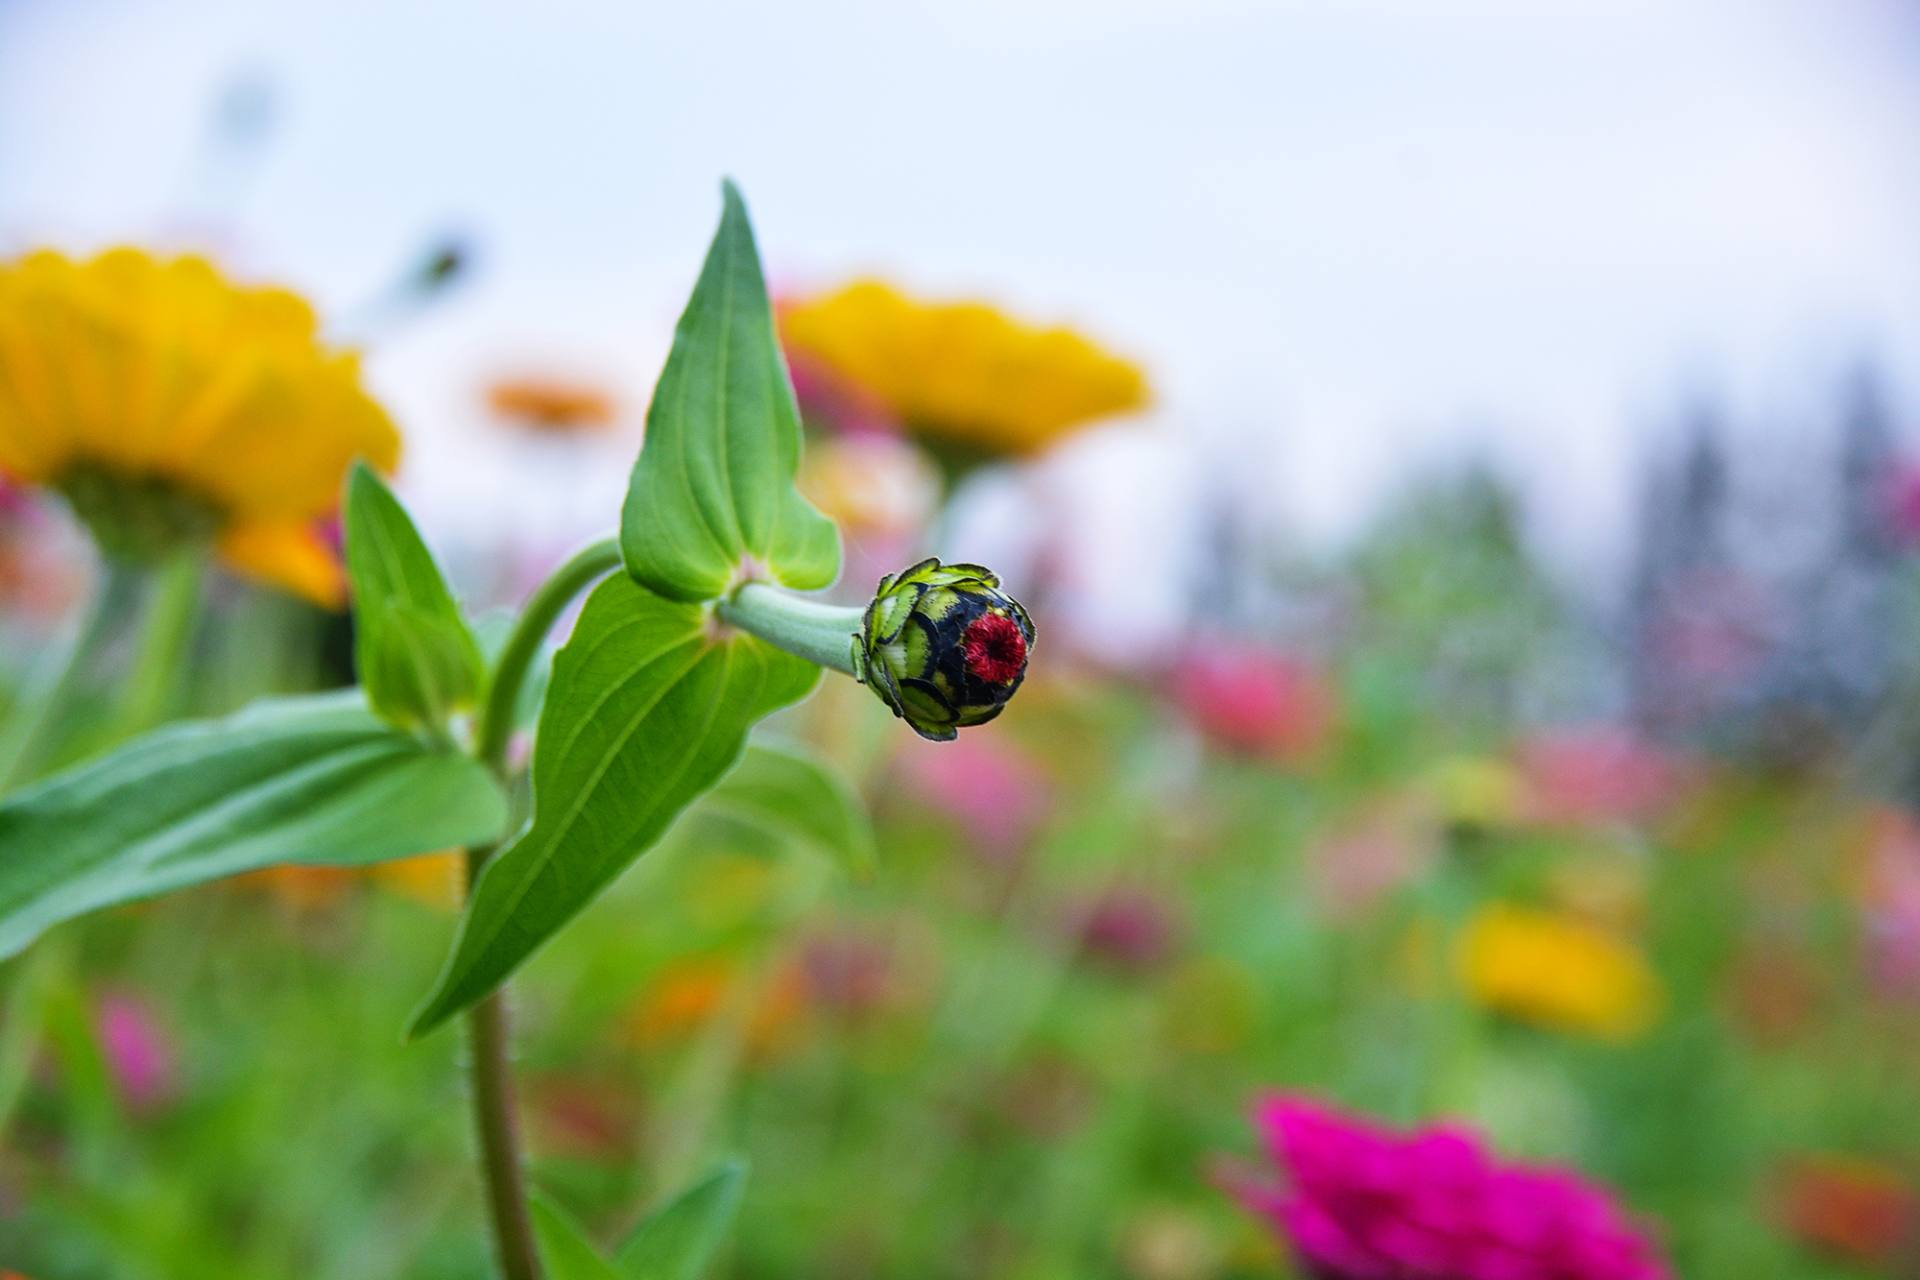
(992, 788)
(853, 975)
(1890, 903)
(139, 1053)
(1367, 856)
(1362, 1203)
(1903, 505)
(1254, 701)
(1595, 775)
(835, 403)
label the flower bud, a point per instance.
(942, 646)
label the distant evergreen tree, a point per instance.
(1449, 588)
(1763, 624)
(1684, 607)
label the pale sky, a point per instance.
(1345, 239)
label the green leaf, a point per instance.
(314, 780)
(713, 487)
(678, 1242)
(564, 1246)
(648, 705)
(787, 791)
(416, 656)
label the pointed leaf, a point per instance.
(679, 1241)
(564, 1246)
(416, 656)
(313, 780)
(648, 705)
(789, 792)
(713, 486)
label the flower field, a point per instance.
(890, 783)
(1032, 1039)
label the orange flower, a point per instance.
(1855, 1209)
(552, 405)
(691, 994)
(298, 887)
(432, 878)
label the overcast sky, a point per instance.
(1344, 238)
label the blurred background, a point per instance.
(1460, 459)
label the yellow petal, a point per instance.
(292, 556)
(432, 878)
(964, 371)
(164, 369)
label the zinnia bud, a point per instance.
(943, 646)
(940, 644)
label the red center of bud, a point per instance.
(996, 650)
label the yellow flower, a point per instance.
(170, 405)
(964, 373)
(1557, 971)
(1476, 792)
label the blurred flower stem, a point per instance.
(524, 643)
(33, 729)
(489, 1057)
(166, 635)
(22, 1015)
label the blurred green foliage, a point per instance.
(1026, 1046)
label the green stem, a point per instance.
(33, 729)
(489, 1048)
(526, 640)
(168, 631)
(490, 1065)
(820, 633)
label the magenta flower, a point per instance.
(139, 1053)
(1362, 1203)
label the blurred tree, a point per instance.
(1448, 588)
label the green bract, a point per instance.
(678, 1240)
(943, 646)
(712, 499)
(418, 661)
